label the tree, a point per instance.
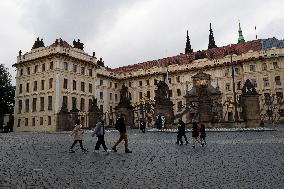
(7, 93)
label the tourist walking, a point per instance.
(99, 131)
(78, 136)
(195, 133)
(142, 125)
(181, 132)
(121, 127)
(202, 135)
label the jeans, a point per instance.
(101, 141)
(81, 144)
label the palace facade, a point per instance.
(49, 77)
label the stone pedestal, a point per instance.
(251, 109)
(128, 115)
(167, 111)
(64, 122)
(93, 119)
(205, 112)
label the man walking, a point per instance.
(100, 132)
(121, 127)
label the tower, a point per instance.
(211, 39)
(241, 37)
(188, 48)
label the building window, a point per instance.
(74, 85)
(179, 106)
(115, 97)
(74, 103)
(129, 84)
(148, 94)
(101, 82)
(228, 87)
(178, 79)
(101, 95)
(65, 83)
(140, 83)
(130, 96)
(110, 108)
(36, 69)
(239, 84)
(253, 81)
(21, 72)
(170, 80)
(275, 65)
(279, 97)
(43, 67)
(264, 66)
(49, 103)
(42, 84)
(252, 68)
(90, 88)
(237, 71)
(50, 83)
(148, 82)
(265, 82)
(65, 66)
(21, 88)
(90, 72)
(20, 106)
(34, 104)
(110, 84)
(29, 70)
(26, 121)
(28, 87)
(277, 80)
(90, 104)
(178, 92)
(49, 120)
(115, 85)
(27, 105)
(102, 108)
(83, 70)
(41, 103)
(110, 96)
(83, 86)
(51, 65)
(33, 121)
(74, 68)
(35, 85)
(82, 104)
(227, 71)
(65, 101)
(41, 120)
(170, 93)
(19, 123)
(140, 95)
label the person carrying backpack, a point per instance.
(100, 132)
(121, 127)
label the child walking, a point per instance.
(78, 136)
(100, 132)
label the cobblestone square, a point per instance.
(230, 160)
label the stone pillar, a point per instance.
(64, 122)
(251, 109)
(167, 111)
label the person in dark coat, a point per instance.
(142, 125)
(121, 127)
(202, 135)
(195, 133)
(100, 132)
(181, 132)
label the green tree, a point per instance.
(7, 92)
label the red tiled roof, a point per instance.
(214, 53)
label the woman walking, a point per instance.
(195, 133)
(202, 135)
(78, 136)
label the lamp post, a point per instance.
(234, 86)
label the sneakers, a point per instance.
(96, 151)
(193, 146)
(108, 150)
(187, 143)
(71, 151)
(114, 149)
(128, 151)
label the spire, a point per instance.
(241, 37)
(211, 39)
(188, 48)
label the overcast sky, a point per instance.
(125, 32)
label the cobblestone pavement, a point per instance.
(230, 160)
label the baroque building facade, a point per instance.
(61, 74)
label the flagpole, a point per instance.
(234, 87)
